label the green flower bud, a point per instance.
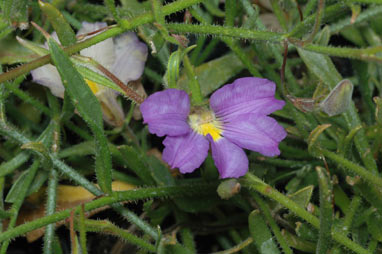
(228, 188)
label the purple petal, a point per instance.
(102, 52)
(245, 95)
(255, 132)
(48, 76)
(131, 55)
(186, 152)
(230, 159)
(166, 112)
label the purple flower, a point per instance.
(237, 118)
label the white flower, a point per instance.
(124, 56)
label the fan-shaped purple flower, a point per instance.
(237, 118)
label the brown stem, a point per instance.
(131, 94)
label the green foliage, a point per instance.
(321, 195)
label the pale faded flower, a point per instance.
(124, 56)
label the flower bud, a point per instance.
(228, 188)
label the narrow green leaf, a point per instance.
(261, 234)
(89, 108)
(298, 243)
(97, 78)
(11, 165)
(16, 187)
(136, 163)
(36, 48)
(13, 52)
(160, 173)
(173, 66)
(326, 211)
(306, 232)
(321, 66)
(61, 26)
(172, 72)
(374, 222)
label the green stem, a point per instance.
(350, 212)
(253, 182)
(361, 171)
(230, 12)
(326, 211)
(131, 195)
(366, 54)
(109, 228)
(50, 209)
(134, 219)
(82, 230)
(235, 32)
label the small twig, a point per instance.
(72, 232)
(300, 11)
(282, 71)
(41, 30)
(82, 36)
(131, 94)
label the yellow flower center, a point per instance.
(93, 86)
(204, 122)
